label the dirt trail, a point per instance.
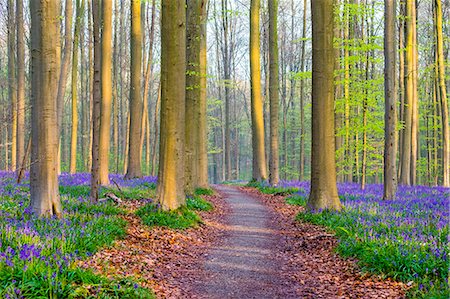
(243, 265)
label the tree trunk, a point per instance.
(259, 159)
(12, 92)
(96, 100)
(45, 56)
(443, 94)
(302, 97)
(170, 191)
(390, 94)
(20, 82)
(74, 127)
(405, 174)
(323, 165)
(106, 89)
(273, 93)
(63, 73)
(196, 172)
(414, 99)
(134, 150)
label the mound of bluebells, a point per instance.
(38, 255)
(406, 238)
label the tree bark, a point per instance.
(390, 94)
(405, 174)
(20, 82)
(134, 151)
(273, 93)
(96, 100)
(259, 159)
(170, 192)
(74, 127)
(106, 89)
(196, 172)
(323, 165)
(45, 56)
(63, 73)
(12, 87)
(443, 94)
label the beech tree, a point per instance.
(134, 152)
(106, 89)
(259, 157)
(45, 55)
(20, 38)
(323, 193)
(273, 93)
(170, 190)
(196, 160)
(390, 94)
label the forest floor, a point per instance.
(249, 246)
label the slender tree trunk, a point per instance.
(195, 128)
(117, 70)
(148, 75)
(302, 97)
(106, 88)
(405, 174)
(91, 86)
(259, 159)
(415, 99)
(63, 73)
(96, 100)
(134, 150)
(323, 165)
(12, 91)
(45, 56)
(173, 70)
(156, 129)
(390, 94)
(273, 93)
(74, 127)
(20, 82)
(401, 84)
(443, 94)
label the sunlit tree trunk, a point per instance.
(323, 165)
(45, 55)
(74, 127)
(405, 174)
(12, 91)
(401, 83)
(96, 99)
(390, 95)
(273, 93)
(148, 75)
(134, 150)
(20, 82)
(63, 73)
(443, 93)
(170, 190)
(117, 70)
(106, 89)
(259, 159)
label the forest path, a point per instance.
(244, 264)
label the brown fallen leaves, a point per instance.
(309, 259)
(159, 258)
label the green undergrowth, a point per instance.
(39, 255)
(267, 189)
(296, 200)
(181, 218)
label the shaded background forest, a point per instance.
(359, 88)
